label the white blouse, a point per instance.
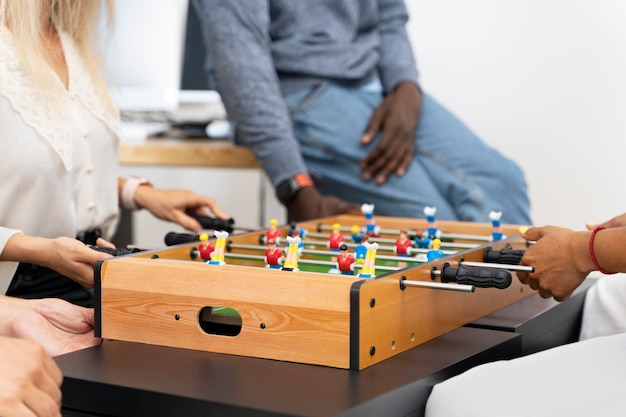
(58, 161)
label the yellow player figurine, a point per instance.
(217, 257)
(291, 260)
(369, 267)
(435, 252)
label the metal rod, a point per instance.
(439, 286)
(444, 244)
(304, 261)
(411, 259)
(444, 235)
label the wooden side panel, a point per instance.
(402, 319)
(292, 316)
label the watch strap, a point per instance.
(128, 192)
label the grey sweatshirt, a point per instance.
(261, 49)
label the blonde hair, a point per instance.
(27, 19)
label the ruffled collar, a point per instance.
(51, 120)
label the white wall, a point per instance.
(543, 81)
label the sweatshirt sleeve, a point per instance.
(238, 44)
(397, 62)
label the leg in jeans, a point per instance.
(452, 170)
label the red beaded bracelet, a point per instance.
(593, 255)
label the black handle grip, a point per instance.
(211, 223)
(506, 256)
(477, 276)
(116, 251)
(173, 238)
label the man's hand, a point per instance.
(617, 221)
(30, 380)
(561, 260)
(310, 204)
(396, 118)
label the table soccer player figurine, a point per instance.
(403, 244)
(435, 252)
(369, 266)
(293, 226)
(370, 224)
(291, 260)
(422, 240)
(403, 247)
(273, 232)
(273, 256)
(357, 234)
(217, 257)
(432, 231)
(345, 260)
(296, 233)
(205, 248)
(361, 250)
(497, 233)
(336, 238)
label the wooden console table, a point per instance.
(187, 152)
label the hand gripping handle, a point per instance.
(503, 256)
(477, 276)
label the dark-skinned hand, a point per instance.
(396, 118)
(561, 260)
(310, 204)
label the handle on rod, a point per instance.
(479, 277)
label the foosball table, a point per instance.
(311, 313)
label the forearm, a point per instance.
(397, 62)
(609, 248)
(237, 35)
(27, 249)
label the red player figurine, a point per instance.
(273, 233)
(403, 244)
(273, 256)
(345, 261)
(336, 238)
(205, 247)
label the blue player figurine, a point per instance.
(432, 231)
(496, 233)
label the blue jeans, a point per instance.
(452, 169)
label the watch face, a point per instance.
(286, 190)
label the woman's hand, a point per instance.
(173, 205)
(30, 381)
(66, 255)
(60, 327)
